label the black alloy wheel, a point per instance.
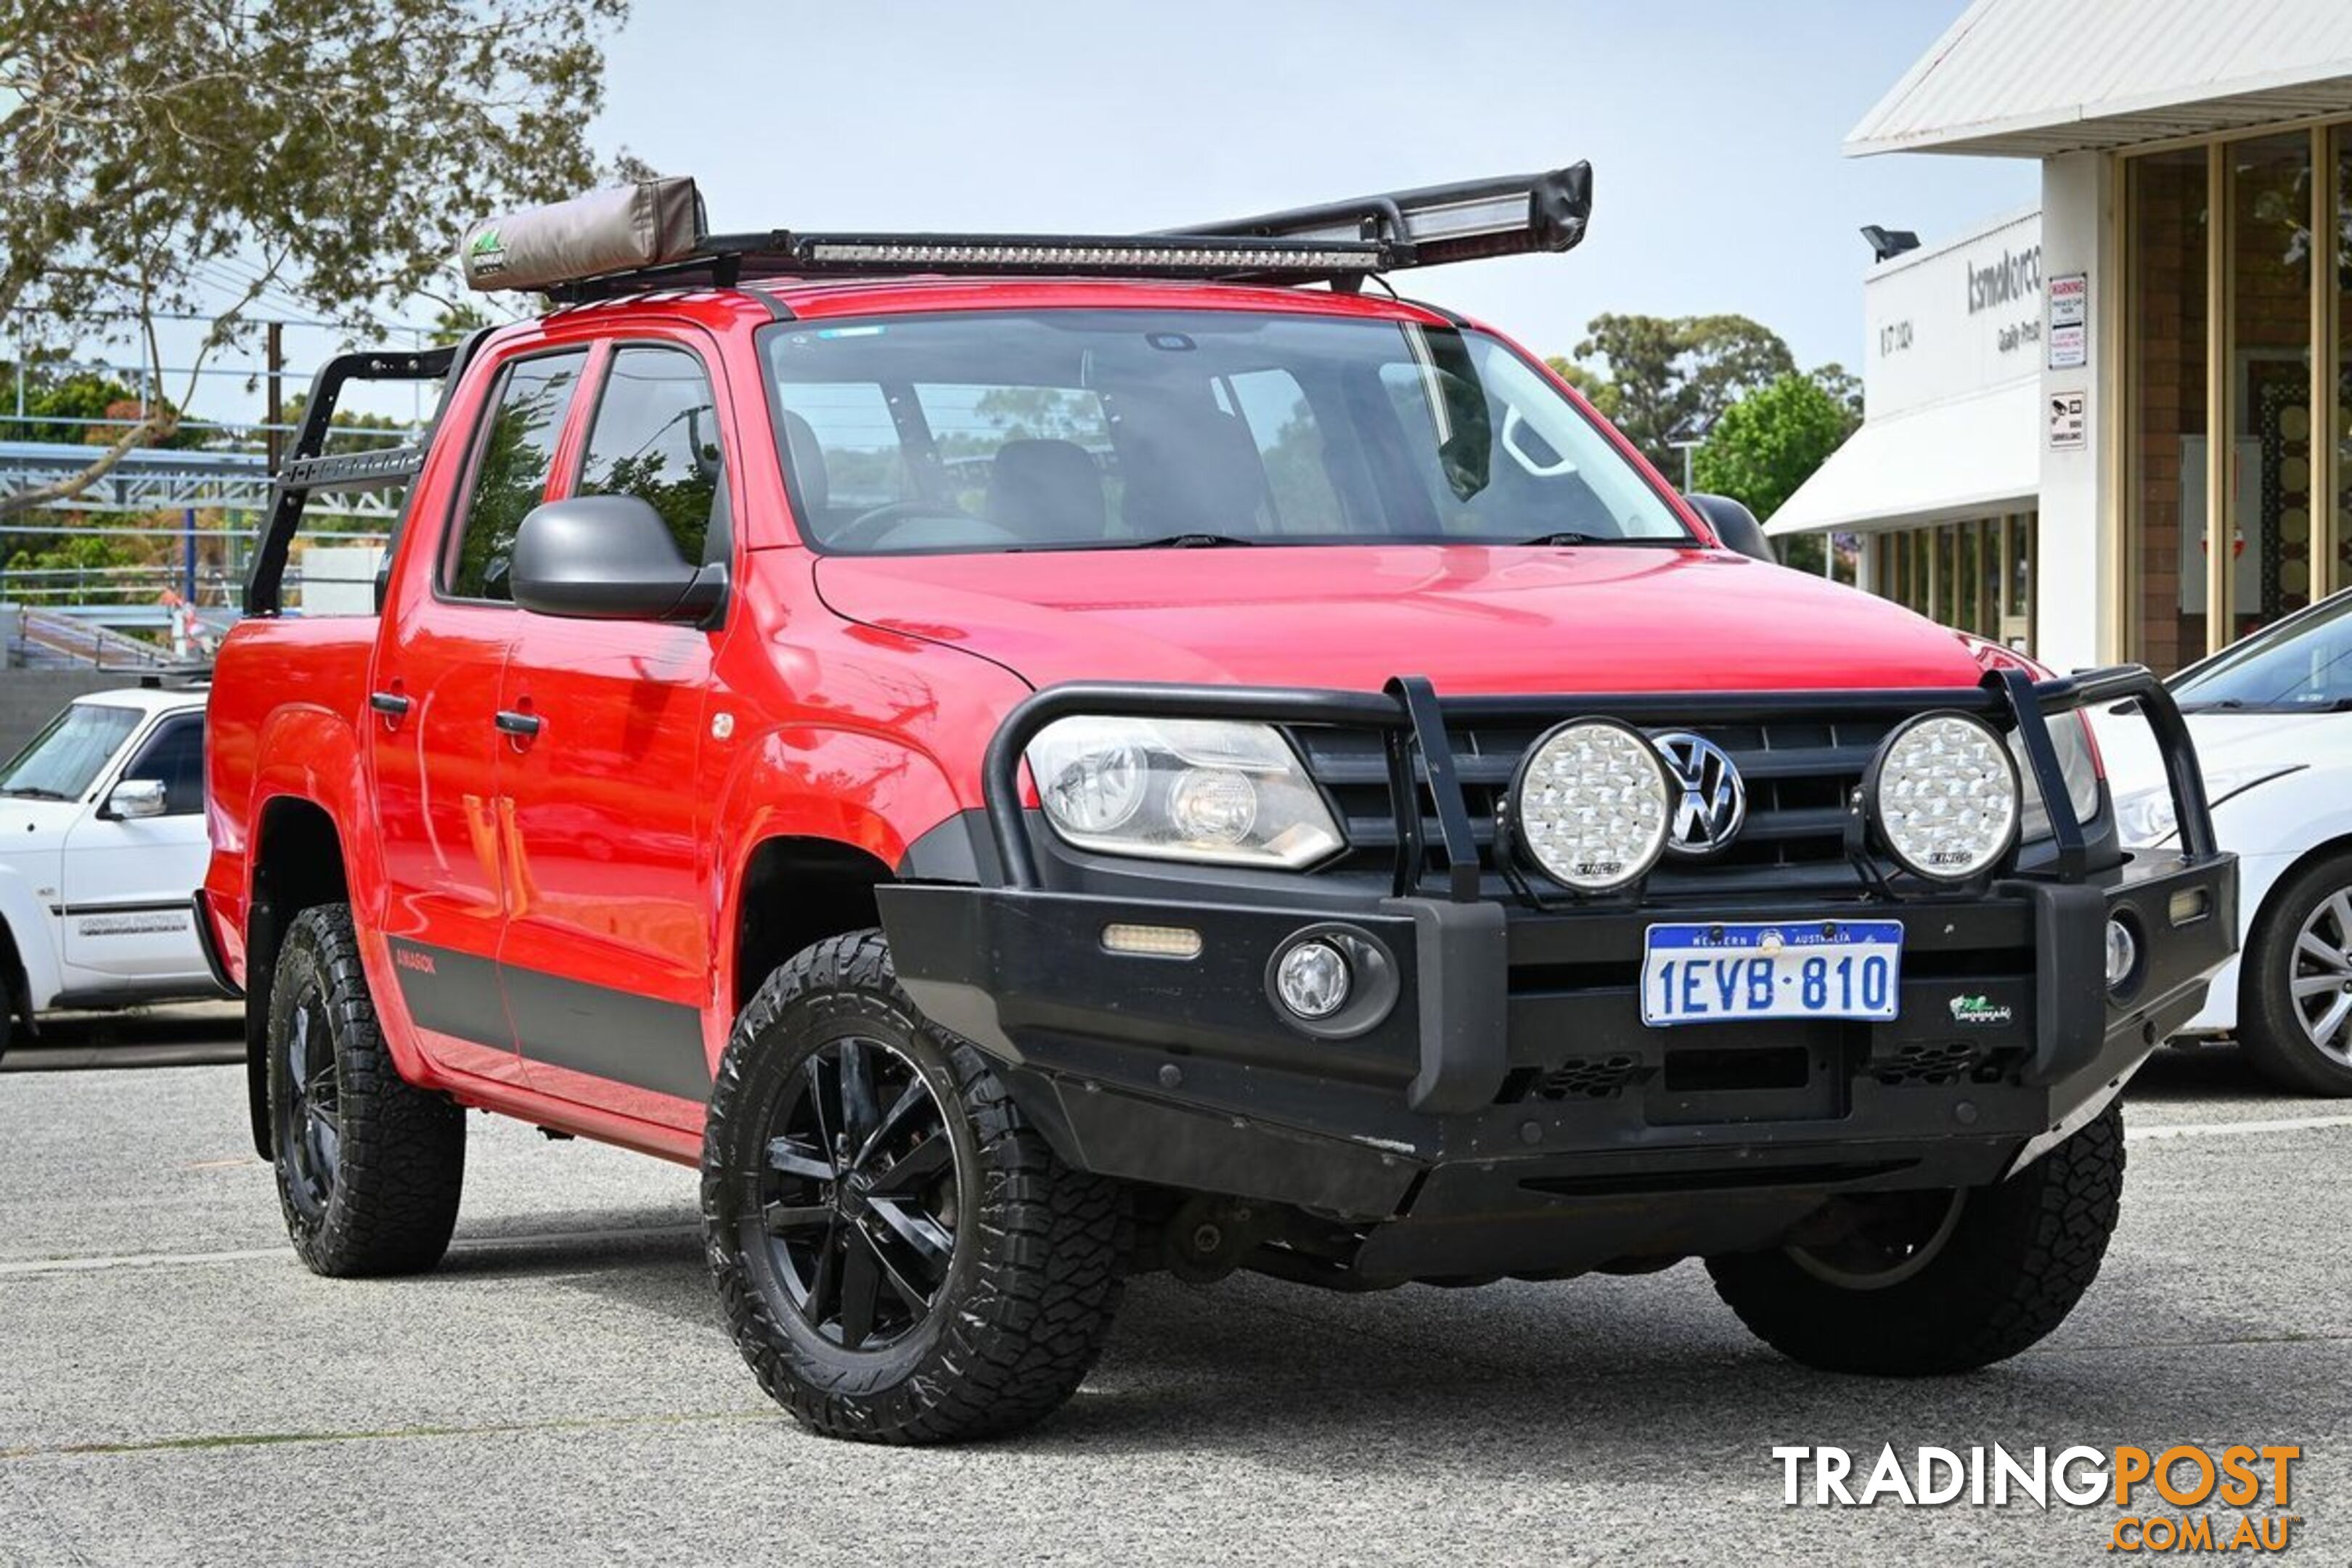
(310, 1115)
(860, 1200)
(369, 1167)
(901, 1255)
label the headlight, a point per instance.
(1590, 804)
(1181, 789)
(2080, 764)
(1944, 795)
(2146, 816)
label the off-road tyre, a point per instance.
(1018, 1308)
(377, 1193)
(2272, 1026)
(2015, 1260)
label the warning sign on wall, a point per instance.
(2066, 422)
(2070, 322)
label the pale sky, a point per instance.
(1713, 128)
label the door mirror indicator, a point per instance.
(1735, 525)
(135, 798)
(609, 558)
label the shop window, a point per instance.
(2165, 243)
(2017, 604)
(2269, 334)
(2339, 277)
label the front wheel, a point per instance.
(2294, 984)
(1919, 1284)
(900, 1256)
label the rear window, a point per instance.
(513, 453)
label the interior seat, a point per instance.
(815, 490)
(1047, 491)
(1189, 470)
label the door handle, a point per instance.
(390, 704)
(522, 726)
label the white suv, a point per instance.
(102, 846)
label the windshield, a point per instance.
(63, 758)
(2303, 665)
(1102, 429)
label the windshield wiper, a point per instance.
(1571, 536)
(29, 792)
(1186, 542)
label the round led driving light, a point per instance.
(1212, 806)
(1944, 795)
(1312, 979)
(1591, 803)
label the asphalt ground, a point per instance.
(175, 1388)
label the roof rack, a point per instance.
(651, 236)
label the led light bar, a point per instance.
(896, 252)
(1510, 215)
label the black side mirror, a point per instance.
(608, 558)
(1735, 525)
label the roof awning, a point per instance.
(1970, 457)
(2032, 79)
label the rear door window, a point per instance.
(514, 451)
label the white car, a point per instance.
(2273, 719)
(102, 846)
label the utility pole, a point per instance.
(275, 349)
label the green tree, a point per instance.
(1844, 386)
(1664, 376)
(79, 402)
(347, 431)
(327, 153)
(1597, 388)
(1767, 444)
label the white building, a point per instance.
(1940, 483)
(2190, 285)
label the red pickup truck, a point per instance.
(1033, 759)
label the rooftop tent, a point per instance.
(649, 224)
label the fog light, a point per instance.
(1153, 942)
(2122, 955)
(1312, 979)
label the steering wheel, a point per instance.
(867, 528)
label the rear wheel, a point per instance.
(900, 1256)
(1916, 1284)
(369, 1167)
(2294, 985)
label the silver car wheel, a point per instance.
(2319, 980)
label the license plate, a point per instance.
(1721, 973)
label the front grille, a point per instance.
(1579, 1078)
(1798, 774)
(1949, 1062)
